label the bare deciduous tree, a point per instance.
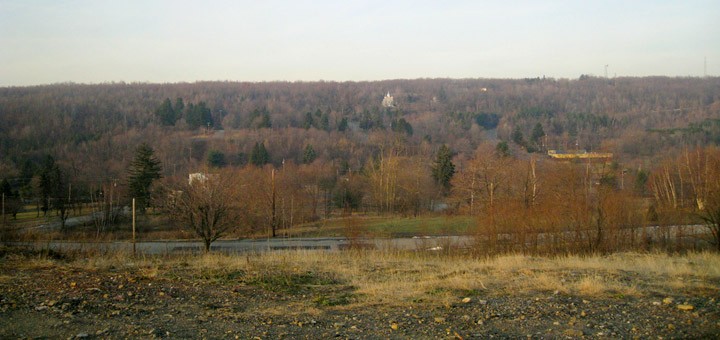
(210, 207)
(704, 173)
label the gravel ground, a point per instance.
(49, 299)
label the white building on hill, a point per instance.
(388, 101)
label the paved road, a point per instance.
(261, 245)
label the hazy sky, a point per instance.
(95, 41)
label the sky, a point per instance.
(98, 41)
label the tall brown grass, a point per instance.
(401, 278)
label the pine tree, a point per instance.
(216, 159)
(502, 149)
(309, 121)
(47, 182)
(309, 154)
(12, 201)
(401, 126)
(265, 121)
(53, 189)
(179, 107)
(166, 113)
(518, 137)
(259, 155)
(144, 169)
(343, 125)
(443, 169)
(198, 116)
(537, 133)
(324, 123)
(5, 188)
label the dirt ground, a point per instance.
(53, 298)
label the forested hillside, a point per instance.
(99, 125)
(321, 133)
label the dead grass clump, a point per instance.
(110, 259)
(217, 262)
(547, 282)
(599, 285)
(591, 286)
(703, 264)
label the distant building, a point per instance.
(581, 154)
(388, 101)
(198, 176)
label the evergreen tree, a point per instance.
(193, 117)
(344, 167)
(641, 180)
(502, 149)
(309, 121)
(260, 118)
(517, 136)
(166, 113)
(206, 114)
(343, 125)
(259, 155)
(216, 159)
(28, 170)
(53, 189)
(442, 95)
(401, 126)
(324, 123)
(488, 121)
(265, 121)
(309, 154)
(198, 116)
(12, 201)
(443, 169)
(48, 182)
(5, 188)
(179, 107)
(537, 133)
(144, 169)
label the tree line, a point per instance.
(528, 204)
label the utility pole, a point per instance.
(3, 208)
(273, 223)
(133, 225)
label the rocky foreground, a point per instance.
(56, 298)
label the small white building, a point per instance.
(198, 176)
(388, 101)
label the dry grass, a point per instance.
(399, 278)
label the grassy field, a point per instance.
(154, 226)
(402, 278)
(383, 226)
(29, 216)
(358, 294)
